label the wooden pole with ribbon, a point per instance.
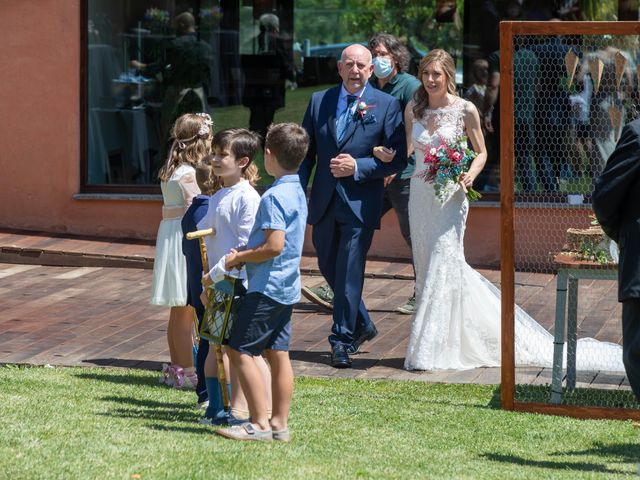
(222, 378)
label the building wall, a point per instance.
(481, 242)
(40, 143)
(40, 129)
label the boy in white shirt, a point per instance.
(231, 214)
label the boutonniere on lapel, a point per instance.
(362, 111)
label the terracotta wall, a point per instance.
(40, 152)
(482, 238)
(542, 232)
(40, 144)
(40, 128)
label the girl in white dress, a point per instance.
(456, 324)
(191, 135)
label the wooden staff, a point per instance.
(222, 378)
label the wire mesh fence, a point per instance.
(572, 94)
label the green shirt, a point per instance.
(402, 87)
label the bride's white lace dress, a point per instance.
(456, 324)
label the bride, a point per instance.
(456, 324)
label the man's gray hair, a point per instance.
(270, 22)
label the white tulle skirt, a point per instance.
(169, 286)
(457, 321)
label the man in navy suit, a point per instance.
(344, 124)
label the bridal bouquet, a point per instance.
(445, 163)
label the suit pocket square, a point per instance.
(370, 119)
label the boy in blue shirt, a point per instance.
(272, 260)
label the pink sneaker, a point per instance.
(182, 379)
(167, 374)
(177, 376)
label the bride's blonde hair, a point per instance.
(442, 58)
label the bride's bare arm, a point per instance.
(408, 126)
(474, 134)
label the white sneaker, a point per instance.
(190, 381)
(203, 405)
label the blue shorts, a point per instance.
(262, 324)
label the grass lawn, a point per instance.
(114, 423)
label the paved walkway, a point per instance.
(89, 313)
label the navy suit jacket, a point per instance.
(381, 125)
(616, 202)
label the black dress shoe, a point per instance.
(340, 357)
(364, 337)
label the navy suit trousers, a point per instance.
(342, 241)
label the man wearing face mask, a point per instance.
(390, 62)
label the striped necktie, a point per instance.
(345, 117)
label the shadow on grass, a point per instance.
(178, 415)
(123, 379)
(155, 411)
(624, 452)
(199, 429)
(525, 462)
(495, 402)
(143, 403)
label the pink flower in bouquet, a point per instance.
(446, 163)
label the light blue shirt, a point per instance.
(282, 207)
(342, 105)
(342, 100)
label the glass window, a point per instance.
(247, 63)
(482, 82)
(250, 63)
(148, 62)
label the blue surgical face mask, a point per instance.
(382, 67)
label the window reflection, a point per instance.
(148, 63)
(249, 63)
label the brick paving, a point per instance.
(90, 307)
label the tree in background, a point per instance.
(338, 21)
